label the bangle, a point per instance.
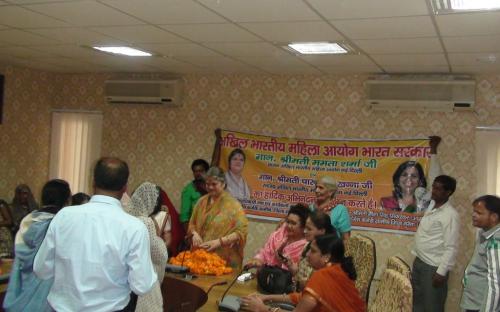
(221, 242)
(284, 297)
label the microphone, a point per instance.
(423, 198)
(181, 269)
(216, 284)
(183, 257)
(229, 303)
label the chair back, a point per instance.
(394, 293)
(362, 250)
(397, 264)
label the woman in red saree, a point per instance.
(330, 289)
(177, 230)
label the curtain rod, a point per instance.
(75, 111)
(488, 128)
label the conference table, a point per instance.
(201, 293)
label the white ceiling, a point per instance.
(245, 36)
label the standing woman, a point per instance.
(325, 190)
(26, 292)
(218, 222)
(22, 204)
(145, 204)
(236, 184)
(6, 241)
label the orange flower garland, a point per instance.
(200, 261)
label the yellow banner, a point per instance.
(268, 174)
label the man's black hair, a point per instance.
(448, 183)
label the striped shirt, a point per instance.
(482, 275)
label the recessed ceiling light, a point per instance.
(487, 59)
(447, 6)
(317, 48)
(123, 51)
(475, 4)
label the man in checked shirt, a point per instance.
(482, 275)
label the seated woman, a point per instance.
(25, 291)
(22, 204)
(317, 224)
(410, 193)
(331, 287)
(6, 241)
(325, 190)
(218, 222)
(145, 204)
(284, 246)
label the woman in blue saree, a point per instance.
(26, 292)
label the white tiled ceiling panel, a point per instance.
(187, 36)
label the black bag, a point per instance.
(274, 280)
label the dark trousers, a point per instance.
(427, 298)
(130, 307)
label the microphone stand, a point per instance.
(230, 303)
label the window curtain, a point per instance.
(488, 161)
(75, 146)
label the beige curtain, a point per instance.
(75, 146)
(488, 161)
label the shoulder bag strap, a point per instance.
(158, 233)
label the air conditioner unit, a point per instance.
(159, 92)
(421, 94)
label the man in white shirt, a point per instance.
(97, 253)
(436, 244)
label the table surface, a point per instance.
(202, 281)
(215, 294)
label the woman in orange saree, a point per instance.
(330, 289)
(218, 222)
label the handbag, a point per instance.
(274, 280)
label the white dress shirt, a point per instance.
(97, 254)
(436, 240)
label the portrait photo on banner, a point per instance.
(383, 183)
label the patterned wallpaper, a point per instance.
(159, 143)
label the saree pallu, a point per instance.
(26, 292)
(220, 218)
(176, 229)
(333, 290)
(275, 241)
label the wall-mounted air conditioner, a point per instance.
(159, 92)
(421, 94)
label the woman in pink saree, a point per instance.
(284, 246)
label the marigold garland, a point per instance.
(200, 261)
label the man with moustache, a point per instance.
(436, 245)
